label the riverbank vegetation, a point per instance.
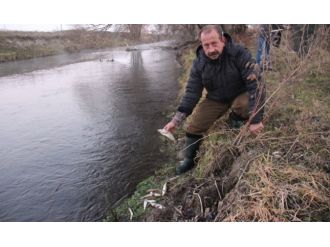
(17, 45)
(282, 175)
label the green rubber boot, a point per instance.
(191, 148)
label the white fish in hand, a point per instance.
(168, 134)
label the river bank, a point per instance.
(16, 45)
(283, 175)
(131, 208)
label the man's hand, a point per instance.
(171, 127)
(256, 128)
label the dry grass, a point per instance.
(277, 192)
(290, 181)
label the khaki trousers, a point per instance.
(208, 111)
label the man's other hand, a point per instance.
(256, 129)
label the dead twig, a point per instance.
(200, 201)
(216, 186)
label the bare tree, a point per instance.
(135, 31)
(93, 27)
(190, 31)
(183, 31)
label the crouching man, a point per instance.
(231, 77)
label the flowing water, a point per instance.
(78, 132)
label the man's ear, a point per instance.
(223, 39)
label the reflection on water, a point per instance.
(77, 138)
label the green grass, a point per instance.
(134, 202)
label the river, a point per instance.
(78, 131)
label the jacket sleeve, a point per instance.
(254, 83)
(193, 91)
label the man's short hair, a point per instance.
(209, 28)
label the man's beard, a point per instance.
(214, 55)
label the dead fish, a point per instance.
(152, 204)
(157, 205)
(151, 194)
(131, 214)
(167, 134)
(146, 202)
(164, 190)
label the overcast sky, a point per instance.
(164, 12)
(35, 27)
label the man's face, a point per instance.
(212, 44)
